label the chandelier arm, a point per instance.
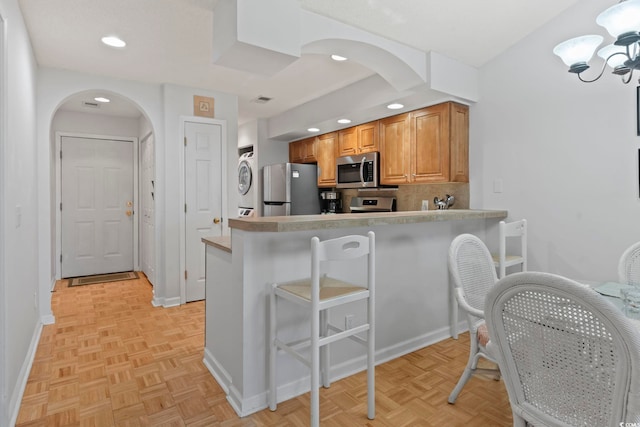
(628, 79)
(604, 66)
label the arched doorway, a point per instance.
(104, 171)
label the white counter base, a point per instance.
(412, 302)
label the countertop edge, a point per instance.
(219, 242)
(315, 222)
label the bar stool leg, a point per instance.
(315, 368)
(273, 350)
(324, 350)
(371, 350)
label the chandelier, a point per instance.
(622, 21)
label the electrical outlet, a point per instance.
(348, 321)
(425, 205)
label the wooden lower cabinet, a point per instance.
(326, 153)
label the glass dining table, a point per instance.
(612, 292)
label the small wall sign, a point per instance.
(203, 106)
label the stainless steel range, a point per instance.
(372, 204)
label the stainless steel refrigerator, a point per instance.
(290, 189)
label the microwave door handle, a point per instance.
(362, 170)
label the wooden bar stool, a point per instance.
(318, 294)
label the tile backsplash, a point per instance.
(410, 197)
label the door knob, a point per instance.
(129, 213)
(216, 220)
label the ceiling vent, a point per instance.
(262, 99)
(90, 104)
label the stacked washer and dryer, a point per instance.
(247, 185)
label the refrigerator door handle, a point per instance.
(274, 203)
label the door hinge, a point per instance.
(185, 141)
(186, 276)
(61, 206)
(60, 258)
(60, 154)
(185, 208)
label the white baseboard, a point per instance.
(221, 376)
(165, 302)
(23, 376)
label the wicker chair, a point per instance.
(629, 266)
(568, 357)
(473, 274)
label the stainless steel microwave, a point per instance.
(358, 171)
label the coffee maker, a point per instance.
(331, 202)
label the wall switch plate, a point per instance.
(18, 216)
(497, 186)
(425, 205)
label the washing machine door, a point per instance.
(244, 177)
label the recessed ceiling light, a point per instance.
(102, 99)
(395, 106)
(313, 130)
(338, 58)
(113, 41)
(344, 121)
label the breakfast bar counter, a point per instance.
(412, 298)
(332, 221)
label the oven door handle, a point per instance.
(362, 170)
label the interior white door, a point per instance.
(97, 206)
(203, 197)
(147, 207)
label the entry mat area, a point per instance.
(103, 278)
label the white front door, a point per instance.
(97, 206)
(203, 197)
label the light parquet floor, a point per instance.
(112, 359)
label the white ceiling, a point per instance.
(170, 41)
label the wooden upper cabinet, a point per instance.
(395, 152)
(459, 143)
(348, 141)
(326, 152)
(303, 151)
(368, 137)
(430, 144)
(421, 146)
(426, 145)
(358, 139)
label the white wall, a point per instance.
(566, 151)
(19, 316)
(70, 121)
